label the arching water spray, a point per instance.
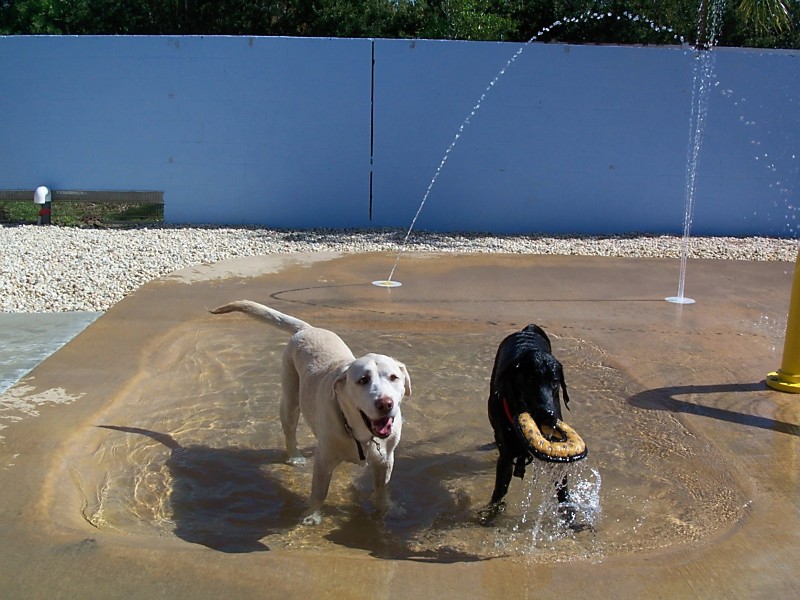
(389, 282)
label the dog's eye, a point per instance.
(393, 377)
(365, 379)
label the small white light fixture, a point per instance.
(41, 195)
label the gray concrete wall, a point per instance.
(341, 133)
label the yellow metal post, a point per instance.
(787, 378)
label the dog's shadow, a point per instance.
(430, 511)
(221, 498)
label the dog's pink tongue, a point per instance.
(383, 427)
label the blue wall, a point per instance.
(341, 133)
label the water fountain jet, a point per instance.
(387, 283)
(709, 24)
(633, 18)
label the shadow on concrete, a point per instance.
(221, 498)
(665, 399)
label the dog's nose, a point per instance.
(384, 404)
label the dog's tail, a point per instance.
(264, 313)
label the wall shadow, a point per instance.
(665, 399)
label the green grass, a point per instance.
(82, 214)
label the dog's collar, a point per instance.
(349, 431)
(506, 408)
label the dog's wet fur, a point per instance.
(352, 405)
(528, 378)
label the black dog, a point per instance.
(526, 378)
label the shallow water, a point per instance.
(193, 448)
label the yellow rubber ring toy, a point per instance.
(559, 444)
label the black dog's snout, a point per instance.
(548, 417)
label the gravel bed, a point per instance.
(61, 269)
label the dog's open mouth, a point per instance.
(381, 427)
(560, 443)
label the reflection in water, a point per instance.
(194, 449)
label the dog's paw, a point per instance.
(297, 460)
(488, 514)
(314, 518)
(393, 511)
(381, 501)
(566, 513)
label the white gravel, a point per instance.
(61, 269)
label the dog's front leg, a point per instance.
(381, 474)
(320, 484)
(565, 507)
(505, 470)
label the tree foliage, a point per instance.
(756, 23)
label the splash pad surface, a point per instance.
(189, 492)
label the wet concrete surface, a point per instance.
(29, 338)
(702, 364)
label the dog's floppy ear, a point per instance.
(501, 368)
(502, 380)
(563, 384)
(340, 378)
(406, 377)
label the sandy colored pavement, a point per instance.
(703, 363)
